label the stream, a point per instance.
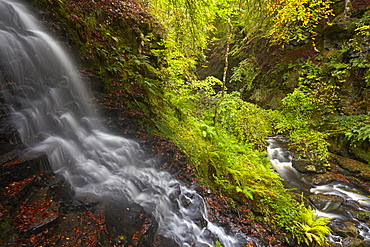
(343, 203)
(51, 108)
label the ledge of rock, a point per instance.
(360, 169)
(304, 166)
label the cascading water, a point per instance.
(51, 109)
(347, 8)
(338, 211)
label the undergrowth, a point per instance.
(228, 155)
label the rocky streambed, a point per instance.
(340, 191)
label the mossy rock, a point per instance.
(354, 242)
(361, 154)
(345, 229)
(305, 166)
(361, 215)
(319, 179)
(359, 168)
(326, 203)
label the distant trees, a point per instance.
(190, 24)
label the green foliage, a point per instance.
(121, 56)
(360, 134)
(310, 144)
(249, 173)
(296, 20)
(309, 72)
(361, 30)
(218, 244)
(296, 121)
(158, 60)
(188, 24)
(225, 155)
(297, 111)
(314, 230)
(358, 43)
(247, 122)
(245, 73)
(320, 90)
(339, 71)
(299, 220)
(282, 21)
(356, 128)
(362, 65)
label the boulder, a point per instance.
(354, 242)
(345, 229)
(326, 203)
(305, 166)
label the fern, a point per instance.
(363, 133)
(355, 128)
(245, 121)
(314, 230)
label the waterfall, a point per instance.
(49, 105)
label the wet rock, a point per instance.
(304, 166)
(354, 242)
(38, 215)
(9, 138)
(339, 145)
(362, 151)
(17, 168)
(38, 211)
(128, 224)
(344, 229)
(318, 179)
(362, 216)
(285, 156)
(326, 203)
(28, 208)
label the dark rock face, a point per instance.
(129, 219)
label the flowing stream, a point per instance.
(53, 114)
(346, 204)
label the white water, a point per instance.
(352, 198)
(346, 8)
(51, 109)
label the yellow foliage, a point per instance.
(297, 19)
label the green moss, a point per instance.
(361, 154)
(7, 228)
